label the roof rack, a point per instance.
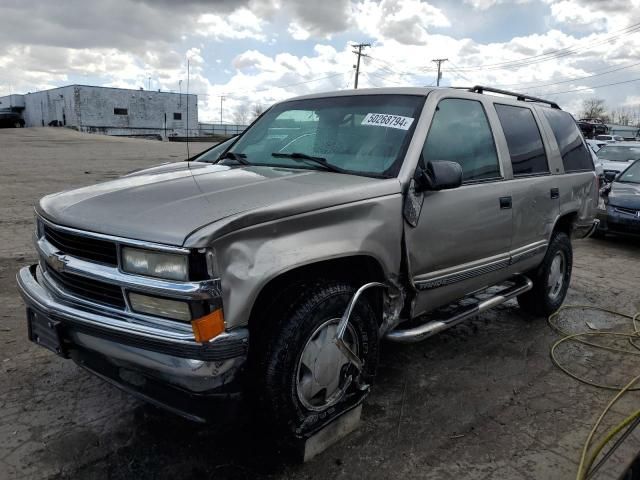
(520, 96)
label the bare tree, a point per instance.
(257, 110)
(241, 114)
(594, 108)
(621, 116)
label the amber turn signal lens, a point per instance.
(207, 327)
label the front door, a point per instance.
(462, 237)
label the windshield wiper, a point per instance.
(238, 157)
(304, 157)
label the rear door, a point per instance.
(578, 187)
(535, 191)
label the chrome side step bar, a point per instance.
(426, 330)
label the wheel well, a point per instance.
(357, 269)
(565, 223)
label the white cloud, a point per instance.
(487, 4)
(406, 21)
(240, 24)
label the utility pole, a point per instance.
(222, 97)
(359, 53)
(439, 61)
(149, 87)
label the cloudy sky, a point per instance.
(261, 51)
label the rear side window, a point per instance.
(575, 156)
(460, 133)
(523, 138)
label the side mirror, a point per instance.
(610, 176)
(439, 175)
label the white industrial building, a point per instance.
(111, 111)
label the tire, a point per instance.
(306, 319)
(551, 278)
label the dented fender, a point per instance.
(248, 258)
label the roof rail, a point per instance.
(520, 96)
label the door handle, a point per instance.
(555, 193)
(505, 203)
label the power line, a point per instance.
(459, 73)
(275, 86)
(569, 80)
(593, 87)
(543, 57)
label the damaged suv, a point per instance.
(273, 272)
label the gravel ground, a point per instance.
(481, 401)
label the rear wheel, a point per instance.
(551, 279)
(304, 379)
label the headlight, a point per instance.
(155, 264)
(160, 307)
(602, 205)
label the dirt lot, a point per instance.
(480, 401)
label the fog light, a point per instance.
(209, 326)
(160, 307)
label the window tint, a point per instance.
(523, 138)
(460, 133)
(575, 156)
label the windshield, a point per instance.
(631, 174)
(214, 152)
(359, 134)
(619, 153)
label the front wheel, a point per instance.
(551, 279)
(305, 380)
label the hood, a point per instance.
(614, 166)
(625, 195)
(165, 204)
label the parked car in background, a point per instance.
(590, 127)
(10, 120)
(597, 163)
(610, 138)
(615, 157)
(596, 144)
(619, 206)
(334, 221)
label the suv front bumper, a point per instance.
(171, 371)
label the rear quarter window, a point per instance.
(575, 156)
(526, 149)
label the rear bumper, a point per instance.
(169, 370)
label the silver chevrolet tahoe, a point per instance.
(271, 271)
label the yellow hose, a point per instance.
(587, 458)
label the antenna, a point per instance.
(188, 156)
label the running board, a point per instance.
(419, 333)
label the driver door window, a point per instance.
(460, 133)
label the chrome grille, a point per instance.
(628, 211)
(89, 289)
(92, 249)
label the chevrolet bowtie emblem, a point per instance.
(56, 262)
